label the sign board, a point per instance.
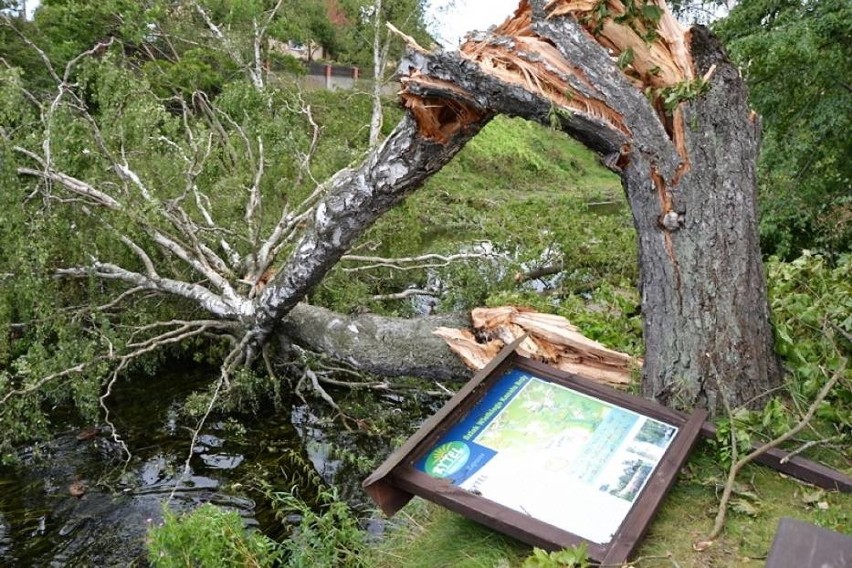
(798, 544)
(547, 457)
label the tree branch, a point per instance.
(211, 302)
(411, 263)
(737, 466)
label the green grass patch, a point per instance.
(424, 535)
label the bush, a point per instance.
(208, 536)
(325, 539)
(812, 307)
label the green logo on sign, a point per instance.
(447, 459)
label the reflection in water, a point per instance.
(43, 524)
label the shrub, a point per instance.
(208, 536)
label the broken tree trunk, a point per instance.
(666, 109)
(549, 338)
(356, 198)
(381, 345)
(669, 112)
(447, 347)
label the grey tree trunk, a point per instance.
(356, 198)
(706, 315)
(387, 346)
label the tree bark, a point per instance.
(706, 314)
(355, 200)
(386, 346)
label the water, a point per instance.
(73, 500)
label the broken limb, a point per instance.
(739, 463)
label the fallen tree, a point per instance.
(667, 110)
(662, 105)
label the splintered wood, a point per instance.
(550, 338)
(441, 119)
(535, 63)
(642, 38)
(648, 29)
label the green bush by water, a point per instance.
(208, 537)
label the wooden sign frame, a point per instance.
(402, 475)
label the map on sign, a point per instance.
(555, 454)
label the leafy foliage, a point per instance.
(51, 324)
(326, 539)
(207, 537)
(797, 57)
(576, 557)
(812, 306)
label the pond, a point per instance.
(74, 501)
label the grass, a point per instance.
(429, 536)
(424, 535)
(521, 187)
(511, 172)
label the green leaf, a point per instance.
(626, 58)
(652, 13)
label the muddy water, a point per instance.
(75, 502)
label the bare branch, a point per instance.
(404, 294)
(265, 253)
(143, 256)
(377, 116)
(253, 205)
(409, 41)
(44, 380)
(234, 358)
(204, 206)
(199, 294)
(737, 465)
(118, 299)
(124, 171)
(99, 48)
(74, 185)
(231, 49)
(42, 55)
(306, 157)
(411, 263)
(183, 329)
(270, 16)
(259, 36)
(198, 264)
(808, 445)
(537, 273)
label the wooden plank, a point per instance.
(391, 499)
(805, 470)
(798, 544)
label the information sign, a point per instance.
(550, 452)
(548, 457)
